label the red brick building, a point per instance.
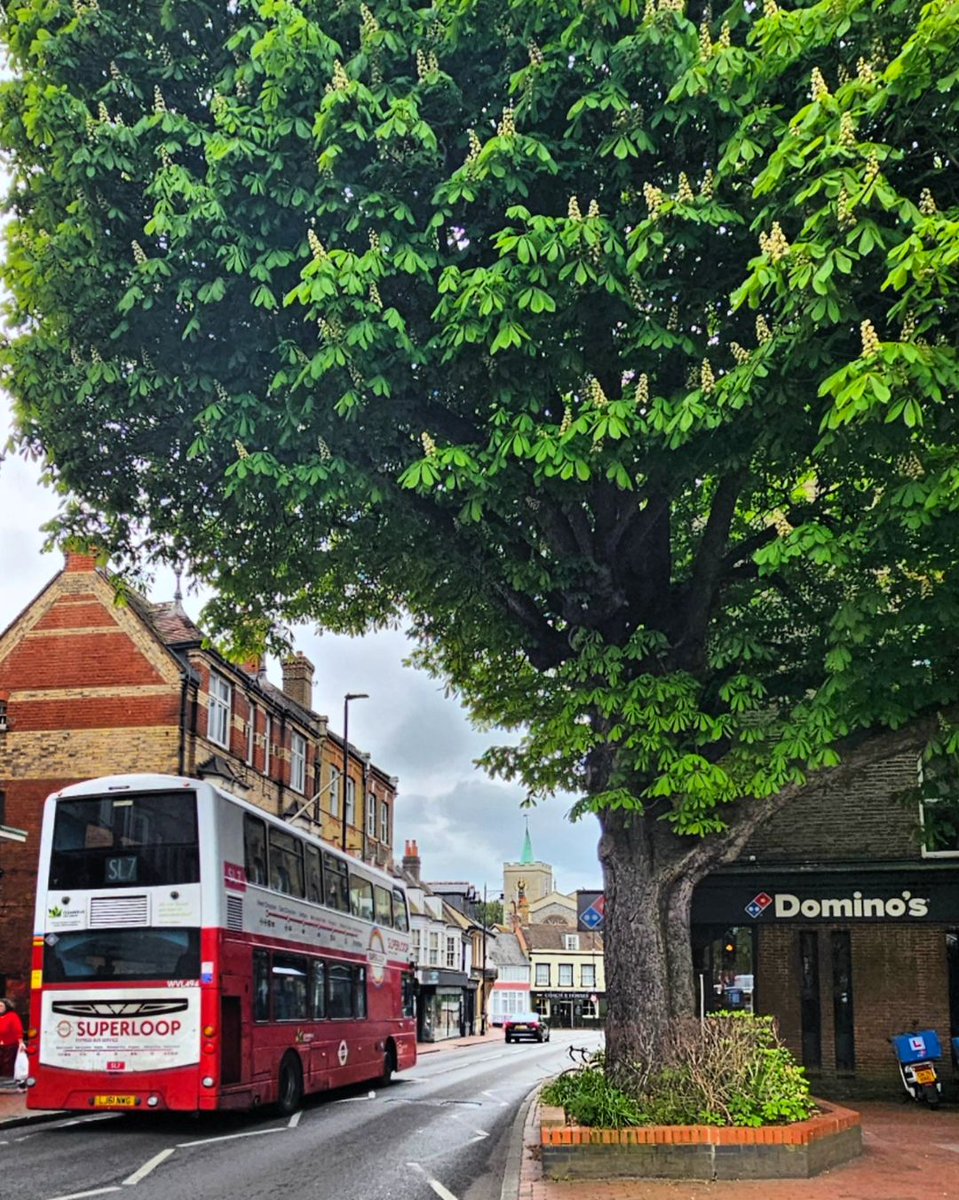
(90, 686)
(842, 919)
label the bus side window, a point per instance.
(400, 917)
(361, 897)
(409, 994)
(334, 880)
(261, 986)
(314, 877)
(317, 989)
(289, 987)
(383, 906)
(341, 990)
(359, 991)
(286, 863)
(254, 846)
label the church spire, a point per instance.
(527, 855)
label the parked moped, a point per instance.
(917, 1055)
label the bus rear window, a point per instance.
(125, 841)
(121, 954)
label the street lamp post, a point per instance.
(346, 748)
(485, 1002)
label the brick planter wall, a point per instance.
(795, 1151)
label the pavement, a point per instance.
(909, 1153)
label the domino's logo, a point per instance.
(758, 905)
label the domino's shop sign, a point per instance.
(827, 898)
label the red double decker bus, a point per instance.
(194, 953)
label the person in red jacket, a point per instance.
(11, 1037)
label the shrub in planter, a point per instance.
(730, 1069)
(589, 1098)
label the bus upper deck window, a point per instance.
(254, 840)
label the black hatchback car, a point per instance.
(526, 1025)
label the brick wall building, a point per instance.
(91, 687)
(839, 921)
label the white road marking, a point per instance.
(228, 1137)
(442, 1192)
(148, 1167)
(80, 1195)
(76, 1121)
(480, 1134)
(295, 1119)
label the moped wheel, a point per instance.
(930, 1093)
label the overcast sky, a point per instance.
(466, 824)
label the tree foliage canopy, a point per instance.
(616, 347)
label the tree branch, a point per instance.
(857, 753)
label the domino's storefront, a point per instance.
(845, 957)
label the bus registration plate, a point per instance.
(114, 1101)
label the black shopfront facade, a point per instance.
(844, 956)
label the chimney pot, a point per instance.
(411, 860)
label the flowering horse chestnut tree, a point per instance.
(611, 347)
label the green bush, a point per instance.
(589, 1098)
(730, 1069)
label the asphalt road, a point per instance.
(440, 1130)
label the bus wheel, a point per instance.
(291, 1085)
(389, 1065)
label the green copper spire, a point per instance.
(527, 855)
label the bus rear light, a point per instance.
(209, 1048)
(153, 1101)
(207, 1081)
(31, 1033)
(208, 1031)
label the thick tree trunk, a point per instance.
(637, 968)
(682, 992)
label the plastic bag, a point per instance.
(21, 1067)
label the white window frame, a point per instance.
(297, 762)
(434, 949)
(564, 975)
(219, 711)
(251, 735)
(336, 784)
(417, 937)
(384, 823)
(350, 800)
(543, 975)
(267, 744)
(570, 941)
(452, 958)
(926, 851)
(370, 814)
(587, 975)
(924, 803)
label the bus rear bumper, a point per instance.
(126, 1095)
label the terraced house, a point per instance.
(89, 687)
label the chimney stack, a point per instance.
(411, 860)
(298, 680)
(74, 561)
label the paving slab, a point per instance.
(909, 1153)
